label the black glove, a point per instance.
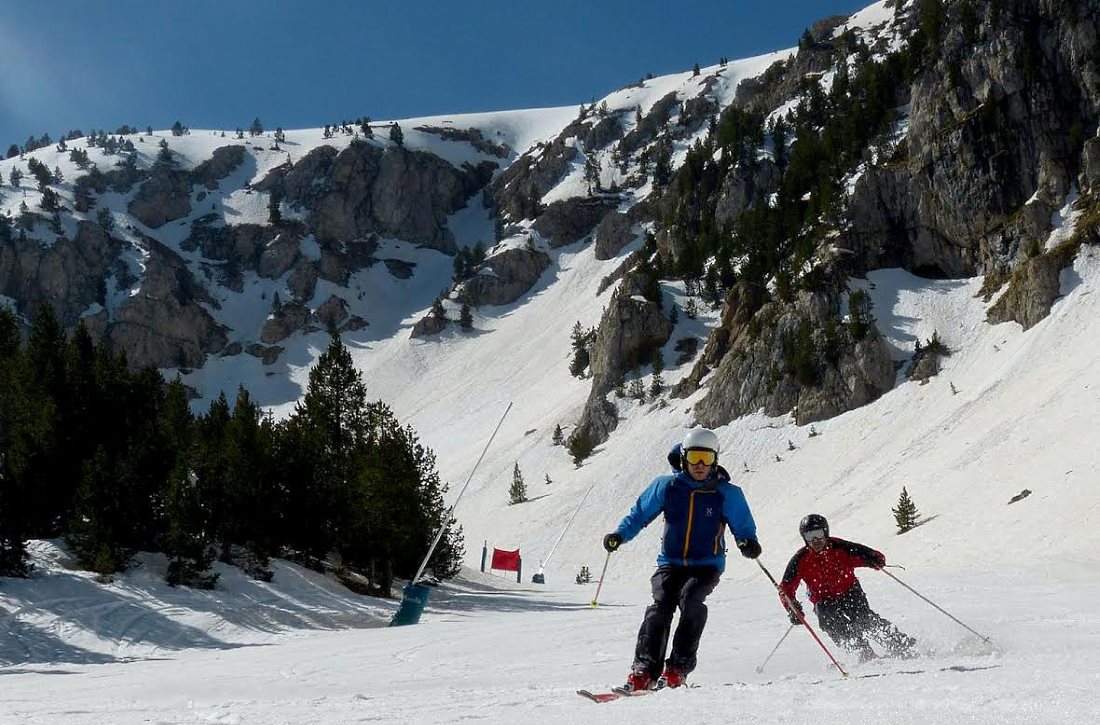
(612, 541)
(750, 548)
(793, 615)
(878, 561)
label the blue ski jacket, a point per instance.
(696, 515)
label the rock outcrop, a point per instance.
(366, 189)
(505, 277)
(631, 328)
(569, 221)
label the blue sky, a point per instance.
(219, 64)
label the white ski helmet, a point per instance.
(700, 438)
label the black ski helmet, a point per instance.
(811, 522)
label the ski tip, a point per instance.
(598, 696)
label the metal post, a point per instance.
(447, 516)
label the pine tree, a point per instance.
(466, 317)
(580, 447)
(905, 514)
(274, 212)
(518, 491)
(187, 543)
(657, 384)
(93, 535)
(14, 516)
(559, 437)
(580, 342)
(860, 317)
(257, 127)
(248, 536)
(636, 388)
(592, 173)
(397, 135)
(322, 444)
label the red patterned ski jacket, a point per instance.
(830, 573)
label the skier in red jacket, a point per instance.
(827, 566)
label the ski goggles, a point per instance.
(696, 456)
(813, 534)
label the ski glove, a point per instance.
(878, 561)
(750, 548)
(793, 615)
(612, 541)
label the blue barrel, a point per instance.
(412, 605)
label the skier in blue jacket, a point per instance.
(698, 502)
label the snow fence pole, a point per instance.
(447, 516)
(539, 579)
(798, 612)
(775, 649)
(596, 599)
(953, 618)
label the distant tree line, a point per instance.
(113, 461)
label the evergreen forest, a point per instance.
(113, 461)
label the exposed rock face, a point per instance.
(534, 173)
(603, 132)
(630, 329)
(332, 314)
(429, 324)
(267, 354)
(504, 277)
(366, 190)
(990, 151)
(647, 129)
(68, 275)
(615, 231)
(163, 323)
(165, 197)
(472, 136)
(224, 162)
(1034, 286)
(786, 366)
(568, 221)
(284, 321)
(740, 188)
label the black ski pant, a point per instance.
(685, 587)
(849, 620)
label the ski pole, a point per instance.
(953, 618)
(450, 511)
(774, 649)
(798, 612)
(596, 599)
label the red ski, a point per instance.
(599, 696)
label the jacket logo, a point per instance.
(710, 511)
